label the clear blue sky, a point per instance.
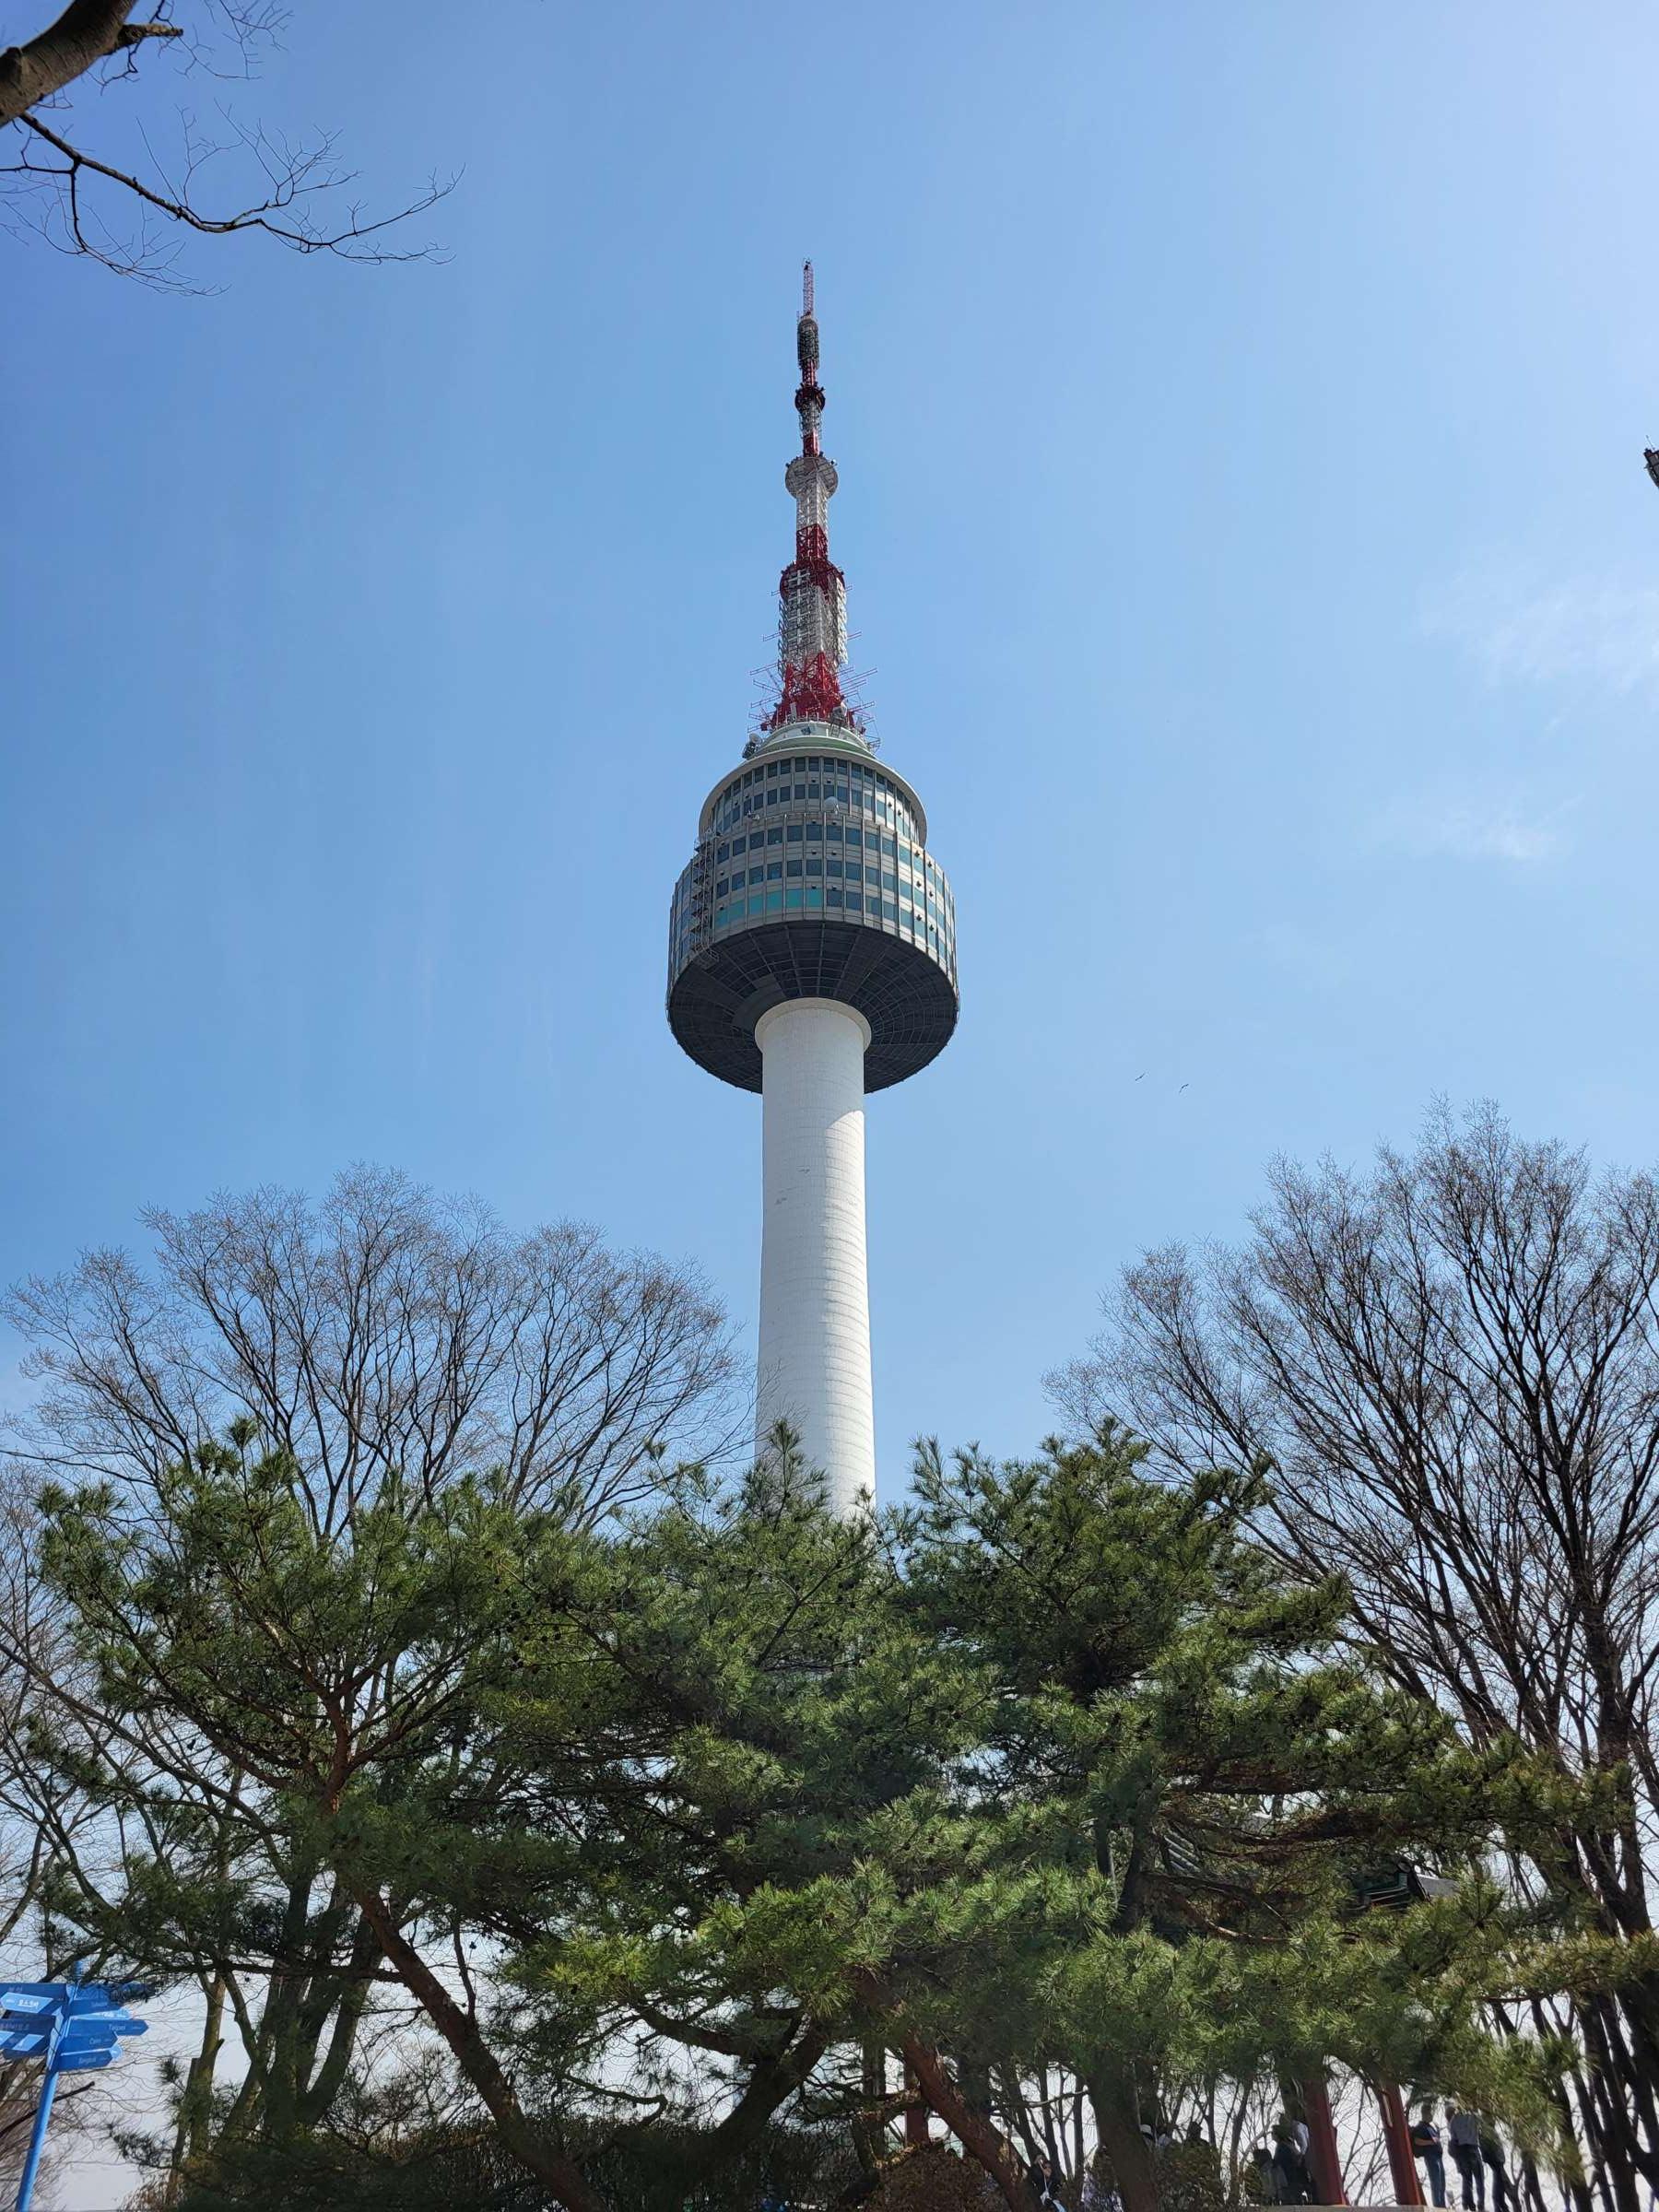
(1239, 412)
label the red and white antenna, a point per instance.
(812, 613)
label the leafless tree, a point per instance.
(1453, 1363)
(382, 1332)
(131, 211)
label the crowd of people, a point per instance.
(1098, 2192)
(1283, 2173)
(1476, 2152)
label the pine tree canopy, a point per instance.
(661, 1821)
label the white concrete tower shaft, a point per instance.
(814, 1362)
(813, 1366)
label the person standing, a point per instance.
(1290, 2165)
(1426, 2148)
(1464, 2131)
(1492, 2158)
(1099, 2191)
(1040, 2175)
(1265, 2173)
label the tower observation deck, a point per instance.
(812, 958)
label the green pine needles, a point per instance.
(657, 1826)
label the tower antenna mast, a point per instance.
(812, 592)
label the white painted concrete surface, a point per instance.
(814, 1365)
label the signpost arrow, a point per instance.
(74, 2027)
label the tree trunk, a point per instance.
(980, 2139)
(770, 2084)
(195, 2099)
(1117, 2124)
(322, 2083)
(1621, 2050)
(1323, 2156)
(1396, 2135)
(520, 2136)
(86, 33)
(916, 2113)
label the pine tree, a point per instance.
(1180, 1791)
(1053, 1769)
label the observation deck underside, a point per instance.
(722, 991)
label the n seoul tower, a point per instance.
(812, 958)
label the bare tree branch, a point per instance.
(1454, 1365)
(59, 191)
(87, 32)
(381, 1334)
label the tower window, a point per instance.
(791, 867)
(774, 871)
(796, 833)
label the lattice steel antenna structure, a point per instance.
(812, 958)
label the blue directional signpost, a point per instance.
(74, 2027)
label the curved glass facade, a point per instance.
(850, 782)
(812, 837)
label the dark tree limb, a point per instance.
(979, 2137)
(293, 174)
(55, 168)
(87, 32)
(518, 2134)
